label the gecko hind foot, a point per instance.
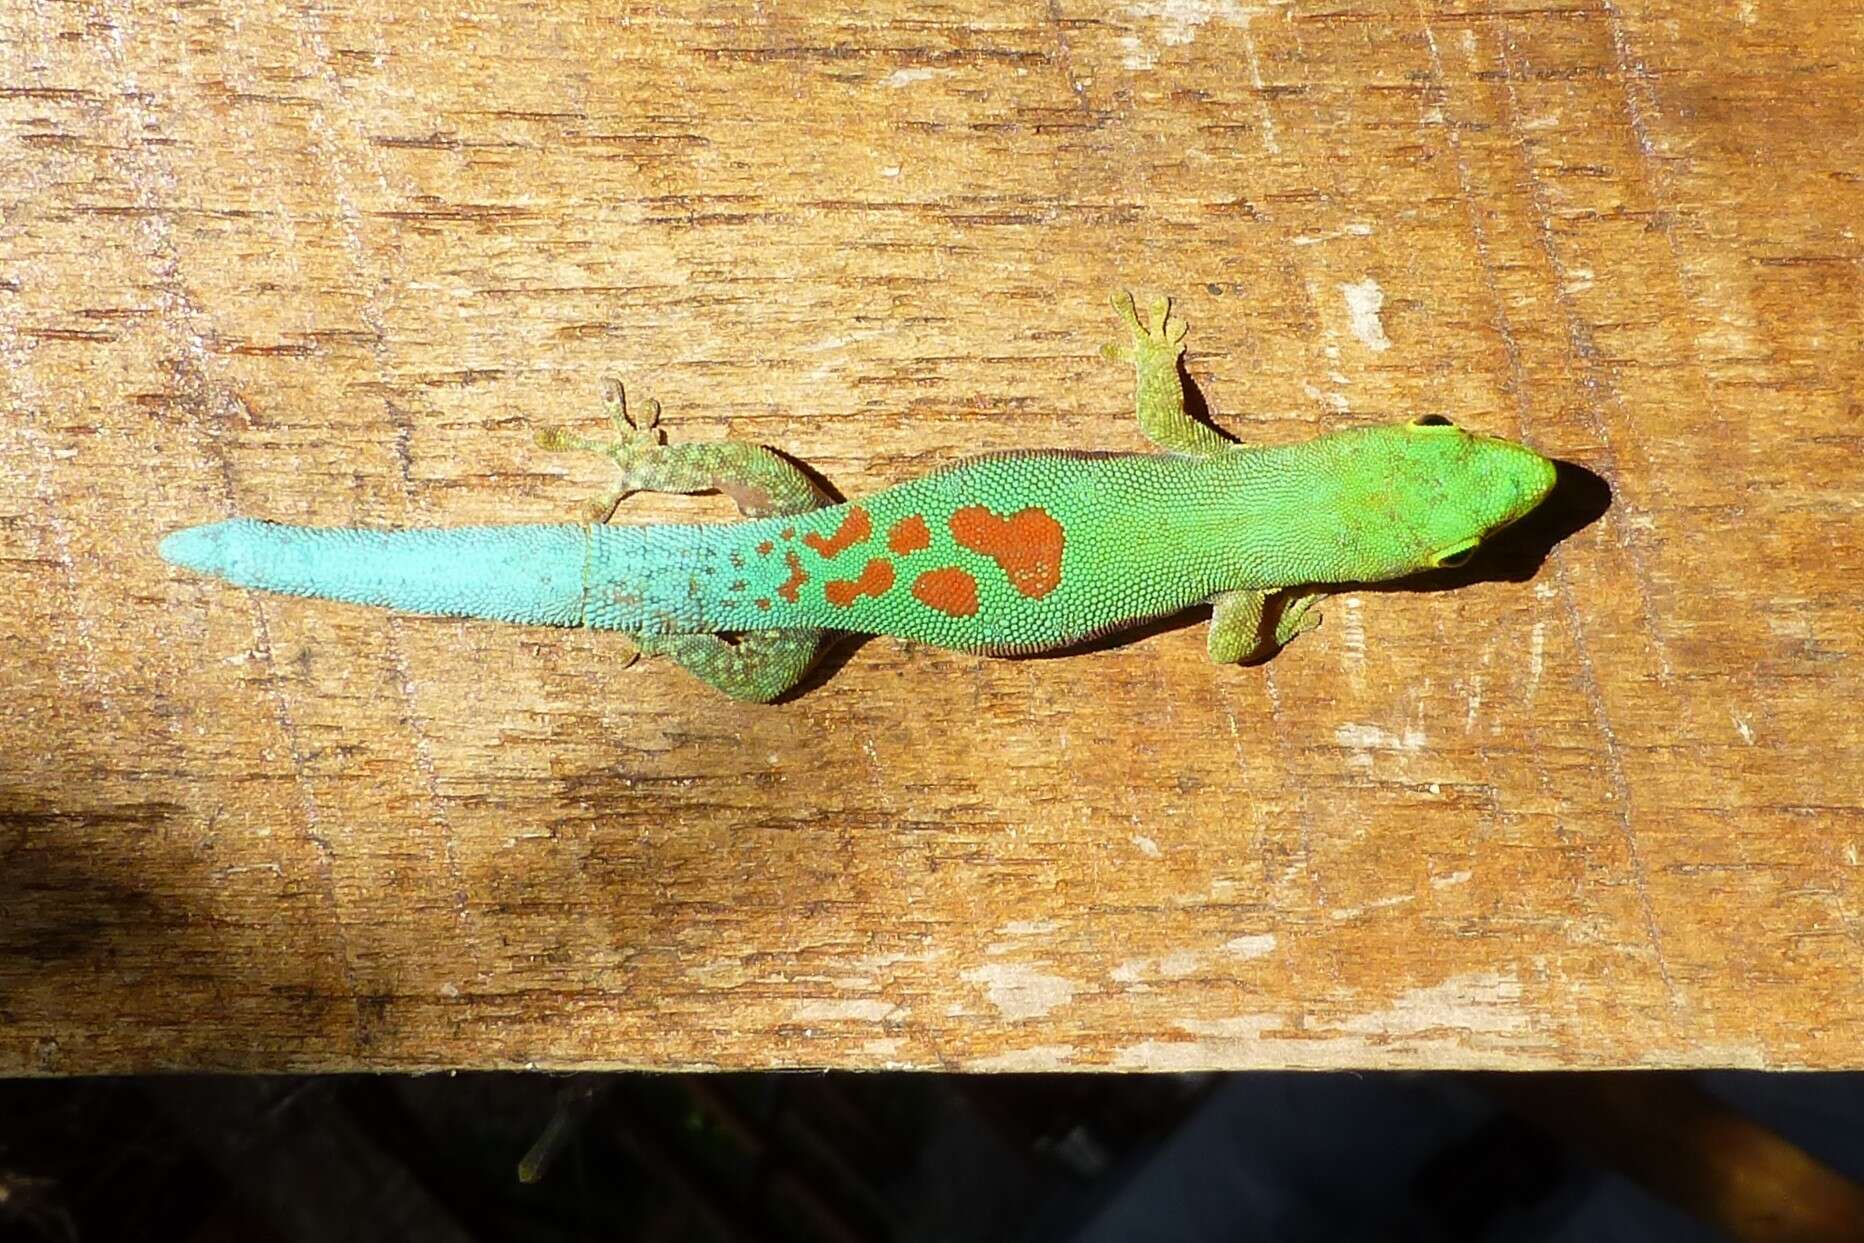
(759, 481)
(634, 445)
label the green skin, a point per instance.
(1011, 553)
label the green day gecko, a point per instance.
(1003, 554)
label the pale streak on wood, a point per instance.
(1581, 820)
(188, 328)
(1364, 299)
(332, 153)
(1021, 991)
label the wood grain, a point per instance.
(1600, 805)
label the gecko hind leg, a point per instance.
(755, 666)
(762, 483)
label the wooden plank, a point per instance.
(338, 265)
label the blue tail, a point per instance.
(529, 574)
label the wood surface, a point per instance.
(1598, 805)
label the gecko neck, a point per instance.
(1278, 516)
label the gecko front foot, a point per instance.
(1298, 617)
(1156, 341)
(1236, 624)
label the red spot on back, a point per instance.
(762, 602)
(950, 590)
(909, 534)
(1027, 545)
(763, 548)
(788, 532)
(795, 581)
(876, 580)
(854, 529)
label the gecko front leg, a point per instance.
(1153, 348)
(755, 666)
(1236, 624)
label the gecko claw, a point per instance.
(1122, 301)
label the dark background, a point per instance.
(846, 1157)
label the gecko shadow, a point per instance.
(1578, 499)
(70, 913)
(838, 648)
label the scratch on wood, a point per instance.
(1621, 791)
(1596, 371)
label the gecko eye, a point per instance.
(1455, 555)
(1431, 420)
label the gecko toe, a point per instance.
(1158, 311)
(1122, 301)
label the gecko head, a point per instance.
(1436, 492)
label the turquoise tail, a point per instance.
(532, 574)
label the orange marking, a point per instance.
(794, 582)
(763, 549)
(950, 590)
(762, 603)
(788, 532)
(876, 580)
(1027, 545)
(855, 528)
(909, 534)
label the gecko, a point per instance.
(1003, 554)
